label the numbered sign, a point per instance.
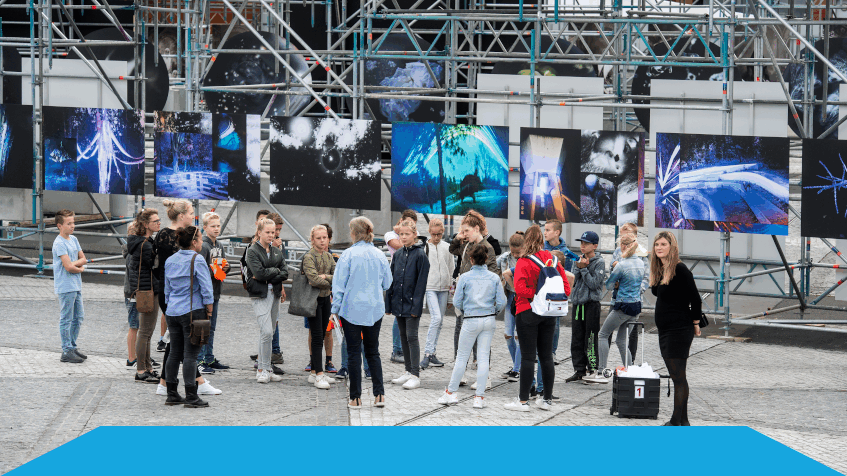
(639, 391)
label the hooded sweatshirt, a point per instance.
(409, 269)
(588, 285)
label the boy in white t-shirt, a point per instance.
(68, 264)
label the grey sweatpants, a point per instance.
(615, 320)
(267, 313)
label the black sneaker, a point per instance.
(277, 359)
(80, 354)
(425, 362)
(71, 357)
(277, 370)
(433, 361)
(217, 365)
(154, 363)
(205, 369)
(131, 364)
(397, 358)
(161, 346)
(532, 392)
(576, 376)
(512, 376)
(254, 357)
(146, 378)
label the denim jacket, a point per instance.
(178, 297)
(641, 254)
(629, 272)
(361, 276)
(479, 293)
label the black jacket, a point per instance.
(147, 258)
(410, 269)
(262, 271)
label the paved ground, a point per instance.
(794, 395)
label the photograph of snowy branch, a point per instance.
(722, 183)
(16, 146)
(207, 156)
(824, 195)
(450, 169)
(94, 150)
(325, 162)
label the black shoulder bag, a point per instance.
(201, 327)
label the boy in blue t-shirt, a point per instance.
(68, 262)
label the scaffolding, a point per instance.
(754, 39)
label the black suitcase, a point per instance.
(635, 397)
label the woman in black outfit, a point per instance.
(678, 309)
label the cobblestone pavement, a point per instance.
(794, 395)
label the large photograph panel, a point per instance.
(16, 146)
(450, 169)
(612, 177)
(548, 189)
(824, 195)
(325, 162)
(109, 155)
(722, 183)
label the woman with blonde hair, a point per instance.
(361, 276)
(627, 275)
(318, 266)
(405, 297)
(266, 270)
(678, 310)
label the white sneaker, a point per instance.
(448, 398)
(162, 390)
(596, 377)
(274, 377)
(312, 377)
(544, 404)
(263, 376)
(328, 378)
(464, 380)
(413, 383)
(487, 384)
(402, 379)
(321, 382)
(478, 402)
(516, 405)
(206, 388)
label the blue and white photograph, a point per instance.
(109, 149)
(450, 169)
(60, 164)
(824, 196)
(184, 167)
(16, 157)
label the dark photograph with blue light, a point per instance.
(450, 169)
(824, 195)
(236, 152)
(60, 165)
(16, 146)
(325, 162)
(722, 183)
(109, 149)
(549, 190)
(184, 167)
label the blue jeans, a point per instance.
(344, 355)
(511, 337)
(481, 331)
(70, 318)
(396, 344)
(436, 302)
(132, 314)
(274, 343)
(206, 354)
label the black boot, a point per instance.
(174, 397)
(191, 398)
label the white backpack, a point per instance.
(550, 298)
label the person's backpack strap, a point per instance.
(535, 260)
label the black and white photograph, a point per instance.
(824, 196)
(325, 162)
(612, 168)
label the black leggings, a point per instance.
(317, 326)
(184, 352)
(411, 346)
(536, 336)
(676, 369)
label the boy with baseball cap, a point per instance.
(589, 274)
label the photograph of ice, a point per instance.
(548, 190)
(325, 162)
(109, 152)
(207, 156)
(450, 169)
(16, 146)
(612, 177)
(824, 195)
(722, 183)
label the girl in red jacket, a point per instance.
(535, 332)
